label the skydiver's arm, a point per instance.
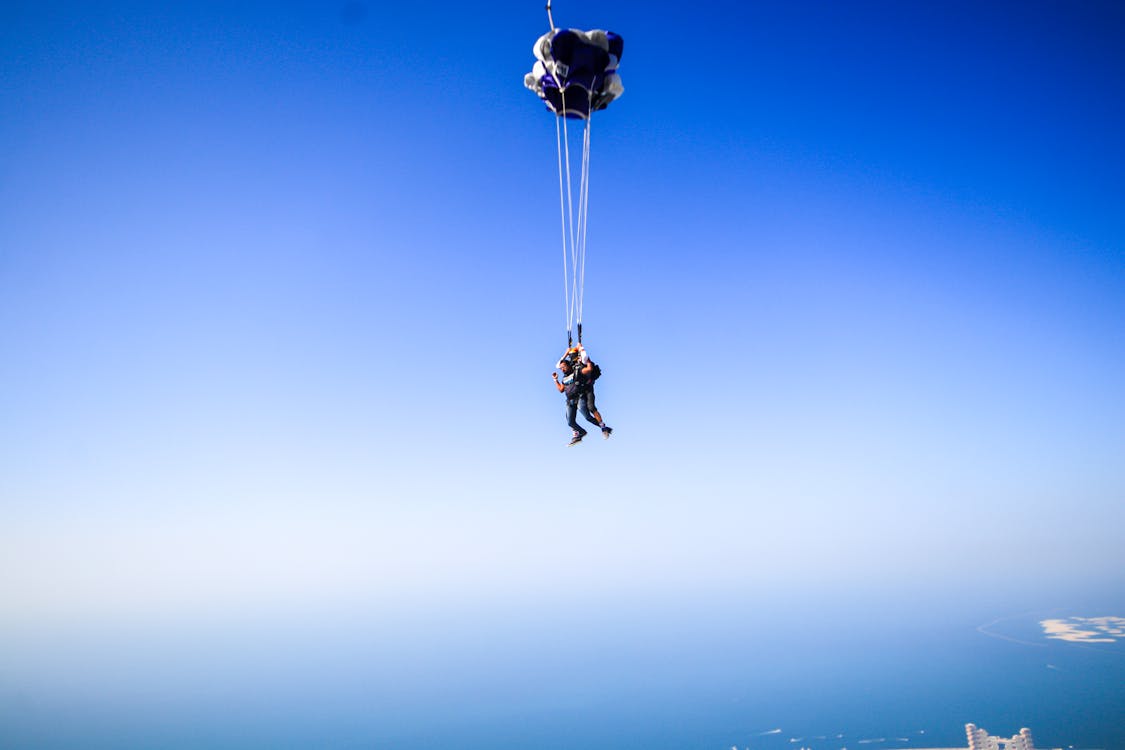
(558, 385)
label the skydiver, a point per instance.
(579, 374)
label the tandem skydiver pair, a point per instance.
(577, 384)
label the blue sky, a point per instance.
(279, 301)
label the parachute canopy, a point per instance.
(576, 71)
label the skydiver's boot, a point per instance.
(606, 432)
(577, 438)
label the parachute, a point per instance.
(575, 72)
(575, 75)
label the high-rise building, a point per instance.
(982, 740)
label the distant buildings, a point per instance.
(978, 740)
(982, 740)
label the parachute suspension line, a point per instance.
(562, 217)
(566, 209)
(584, 212)
(578, 259)
(550, 20)
(573, 217)
(572, 303)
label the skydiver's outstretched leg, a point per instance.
(590, 412)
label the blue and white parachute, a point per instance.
(575, 75)
(575, 72)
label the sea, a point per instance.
(717, 670)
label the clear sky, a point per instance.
(279, 301)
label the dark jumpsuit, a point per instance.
(579, 395)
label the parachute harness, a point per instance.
(581, 66)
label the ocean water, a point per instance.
(710, 672)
